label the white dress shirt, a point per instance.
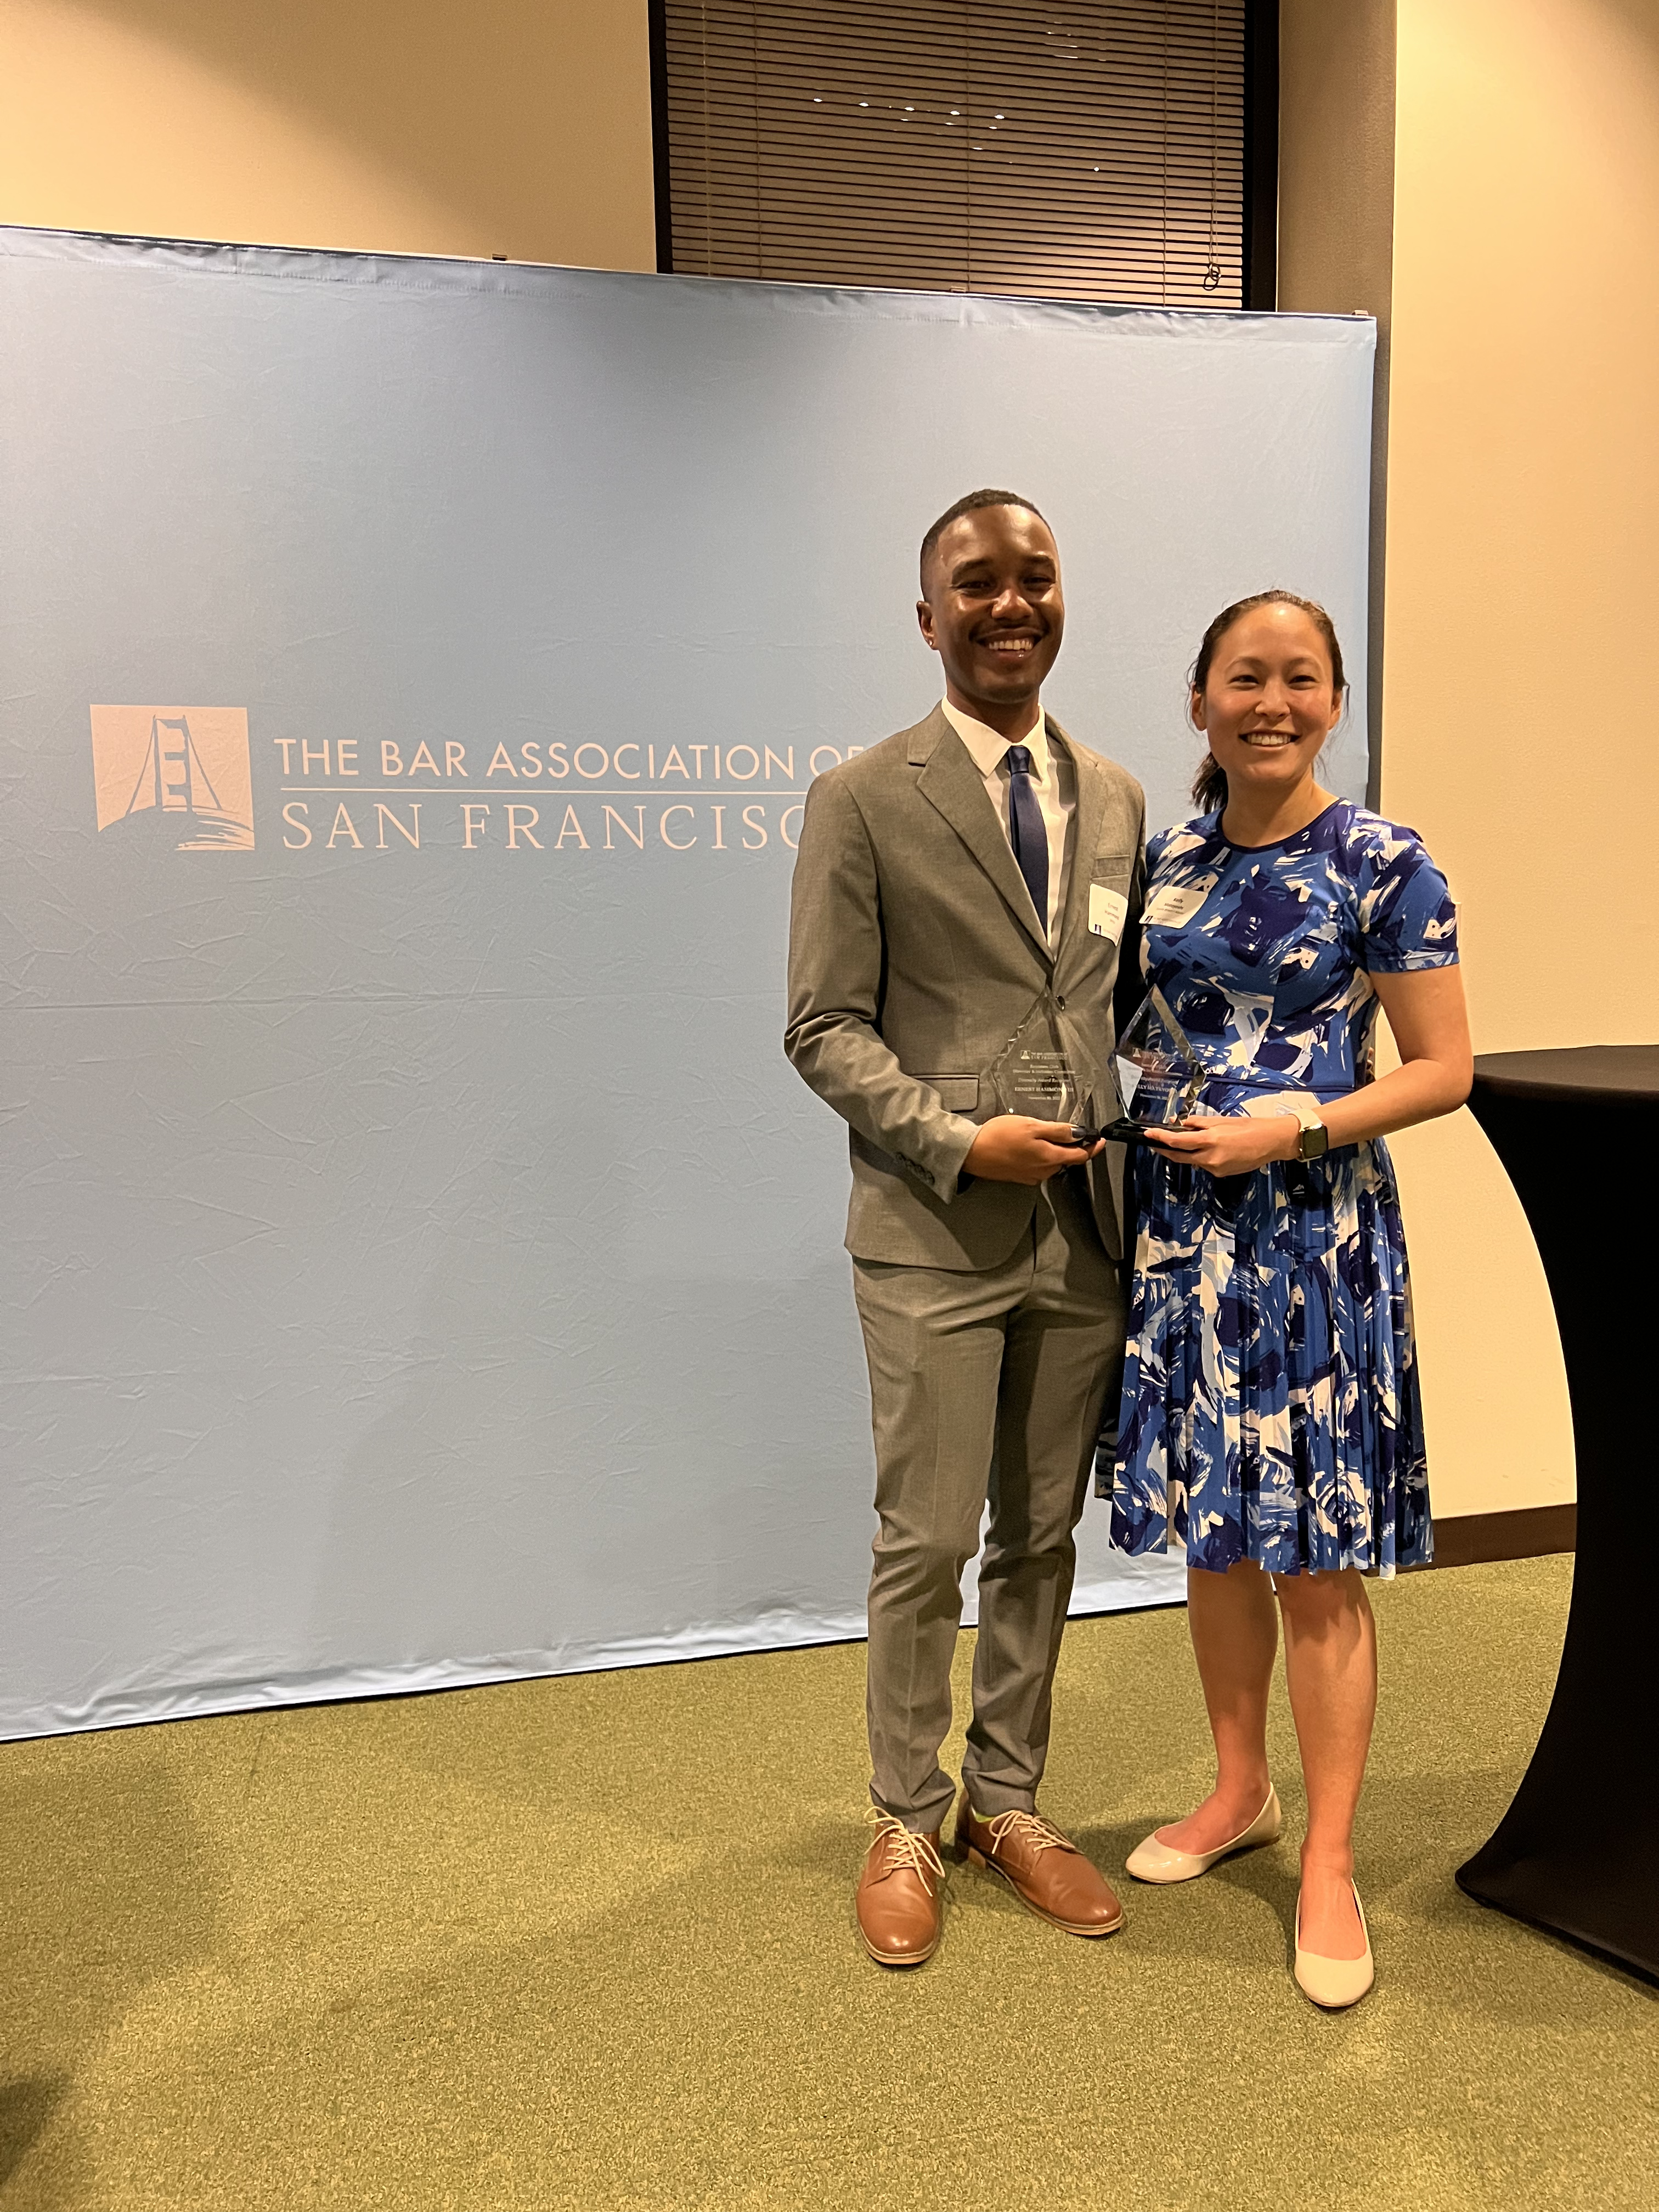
(1055, 784)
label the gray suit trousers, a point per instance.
(984, 1384)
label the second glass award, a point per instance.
(1155, 1071)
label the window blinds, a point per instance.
(1092, 151)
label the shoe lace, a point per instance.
(1029, 1828)
(904, 1847)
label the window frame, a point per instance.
(1260, 284)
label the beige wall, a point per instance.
(1524, 451)
(1522, 472)
(1522, 581)
(1336, 106)
(1351, 133)
(517, 127)
(1484, 175)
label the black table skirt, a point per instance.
(1577, 1852)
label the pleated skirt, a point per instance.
(1271, 1408)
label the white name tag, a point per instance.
(1107, 909)
(1169, 905)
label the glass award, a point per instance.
(1043, 1071)
(1155, 1073)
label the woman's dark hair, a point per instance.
(1210, 784)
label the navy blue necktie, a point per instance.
(1026, 832)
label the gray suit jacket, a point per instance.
(915, 953)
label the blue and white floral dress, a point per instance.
(1270, 1407)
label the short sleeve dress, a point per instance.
(1270, 1407)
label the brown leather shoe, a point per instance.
(898, 1907)
(1045, 1870)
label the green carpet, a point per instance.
(589, 1942)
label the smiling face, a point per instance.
(993, 609)
(1269, 700)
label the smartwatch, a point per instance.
(1313, 1139)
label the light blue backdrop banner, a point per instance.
(421, 1265)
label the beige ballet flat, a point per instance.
(1156, 1862)
(1334, 1983)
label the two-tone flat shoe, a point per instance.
(1335, 1982)
(1156, 1862)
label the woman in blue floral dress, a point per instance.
(1270, 1418)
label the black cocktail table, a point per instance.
(1577, 1852)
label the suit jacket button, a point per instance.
(1060, 1003)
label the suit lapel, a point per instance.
(1087, 820)
(950, 782)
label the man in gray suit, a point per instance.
(946, 880)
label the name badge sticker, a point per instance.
(1169, 906)
(1107, 909)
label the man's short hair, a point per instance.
(968, 504)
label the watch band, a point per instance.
(1313, 1139)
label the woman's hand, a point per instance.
(1425, 1009)
(1228, 1144)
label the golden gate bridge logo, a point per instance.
(175, 776)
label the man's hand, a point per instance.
(1013, 1148)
